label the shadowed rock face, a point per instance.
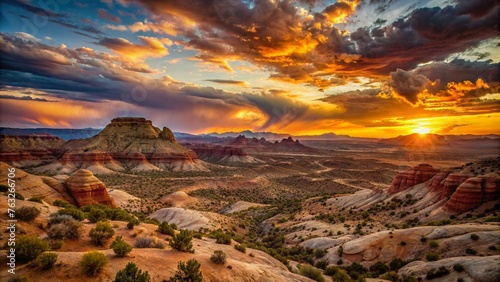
(414, 176)
(88, 189)
(17, 148)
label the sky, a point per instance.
(373, 68)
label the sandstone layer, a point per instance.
(87, 189)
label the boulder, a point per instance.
(88, 189)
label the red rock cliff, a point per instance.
(88, 189)
(412, 177)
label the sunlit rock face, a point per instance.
(414, 176)
(473, 192)
(87, 189)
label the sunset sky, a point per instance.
(363, 68)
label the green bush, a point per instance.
(36, 200)
(396, 264)
(432, 257)
(93, 262)
(165, 228)
(319, 253)
(442, 271)
(470, 251)
(218, 257)
(101, 233)
(188, 272)
(379, 268)
(46, 260)
(241, 247)
(18, 196)
(120, 247)
(409, 279)
(96, 215)
(182, 241)
(474, 237)
(311, 272)
(433, 244)
(29, 248)
(131, 273)
(27, 213)
(130, 225)
(391, 276)
(62, 203)
(63, 227)
(458, 267)
(73, 212)
(223, 238)
(321, 264)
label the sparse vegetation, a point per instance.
(188, 272)
(311, 272)
(474, 237)
(63, 227)
(46, 260)
(27, 213)
(218, 257)
(241, 247)
(29, 248)
(182, 241)
(131, 273)
(120, 247)
(102, 232)
(458, 267)
(433, 273)
(432, 257)
(92, 262)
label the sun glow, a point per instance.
(422, 130)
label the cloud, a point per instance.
(25, 98)
(408, 85)
(150, 47)
(227, 81)
(105, 15)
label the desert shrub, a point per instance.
(93, 262)
(331, 270)
(146, 241)
(409, 279)
(4, 188)
(130, 225)
(460, 280)
(492, 248)
(458, 267)
(27, 213)
(63, 227)
(96, 215)
(165, 228)
(17, 278)
(311, 272)
(321, 264)
(391, 276)
(62, 203)
(319, 253)
(55, 244)
(423, 239)
(35, 199)
(18, 196)
(120, 247)
(432, 256)
(433, 244)
(102, 231)
(470, 251)
(29, 248)
(223, 238)
(182, 241)
(131, 273)
(241, 247)
(396, 264)
(46, 260)
(74, 212)
(474, 237)
(379, 268)
(218, 257)
(355, 267)
(188, 272)
(433, 273)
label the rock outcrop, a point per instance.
(412, 177)
(87, 189)
(225, 155)
(29, 149)
(473, 192)
(127, 144)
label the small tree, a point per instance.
(182, 241)
(27, 213)
(131, 273)
(46, 260)
(311, 272)
(29, 248)
(101, 233)
(96, 215)
(120, 247)
(165, 228)
(219, 257)
(188, 272)
(379, 268)
(474, 237)
(93, 262)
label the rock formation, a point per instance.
(127, 143)
(473, 192)
(225, 155)
(414, 176)
(28, 149)
(87, 189)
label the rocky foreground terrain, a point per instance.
(279, 211)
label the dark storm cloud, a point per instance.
(408, 85)
(27, 98)
(33, 9)
(274, 35)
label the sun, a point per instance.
(422, 130)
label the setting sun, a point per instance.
(422, 130)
